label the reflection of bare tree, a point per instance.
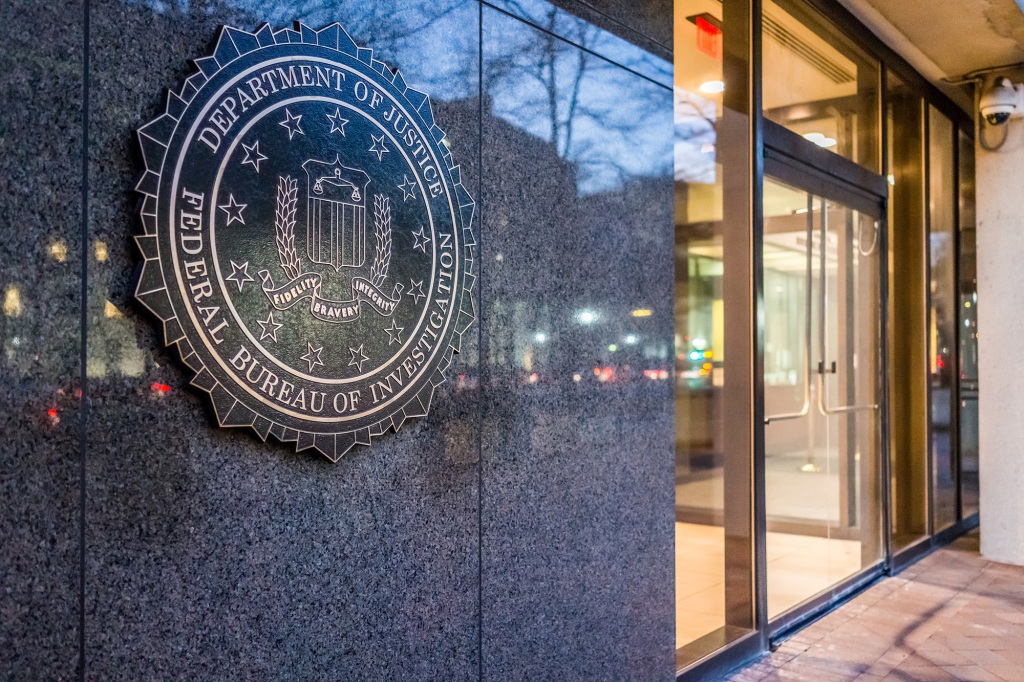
(541, 59)
(690, 106)
(566, 93)
(385, 27)
(380, 24)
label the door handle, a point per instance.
(823, 327)
(805, 410)
(842, 409)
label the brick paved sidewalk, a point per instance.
(953, 616)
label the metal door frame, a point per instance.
(803, 165)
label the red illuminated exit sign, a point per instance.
(709, 34)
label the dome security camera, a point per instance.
(1001, 102)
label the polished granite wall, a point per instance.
(41, 141)
(522, 531)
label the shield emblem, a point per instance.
(336, 214)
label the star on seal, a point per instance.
(378, 147)
(394, 333)
(312, 356)
(291, 123)
(416, 291)
(337, 122)
(252, 155)
(408, 188)
(421, 240)
(269, 327)
(358, 358)
(240, 274)
(233, 209)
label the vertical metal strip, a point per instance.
(883, 439)
(954, 402)
(759, 510)
(926, 192)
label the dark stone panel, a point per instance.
(629, 34)
(215, 556)
(650, 18)
(41, 76)
(578, 430)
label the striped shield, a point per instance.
(336, 214)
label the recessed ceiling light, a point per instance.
(712, 87)
(820, 140)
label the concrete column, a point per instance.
(1000, 178)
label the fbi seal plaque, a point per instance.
(306, 237)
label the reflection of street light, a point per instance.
(59, 251)
(101, 251)
(642, 312)
(12, 301)
(586, 316)
(110, 310)
(540, 337)
(613, 348)
(631, 339)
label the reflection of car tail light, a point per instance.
(533, 378)
(160, 388)
(939, 362)
(52, 417)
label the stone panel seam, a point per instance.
(625, 26)
(83, 354)
(480, 365)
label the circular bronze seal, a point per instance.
(307, 239)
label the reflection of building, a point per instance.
(614, 236)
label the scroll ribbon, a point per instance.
(308, 286)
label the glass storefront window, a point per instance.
(822, 411)
(714, 601)
(908, 350)
(968, 328)
(815, 332)
(942, 344)
(818, 84)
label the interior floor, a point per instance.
(799, 567)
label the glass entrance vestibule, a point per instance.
(825, 320)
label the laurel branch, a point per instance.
(382, 232)
(284, 224)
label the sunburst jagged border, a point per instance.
(152, 292)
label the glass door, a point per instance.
(822, 306)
